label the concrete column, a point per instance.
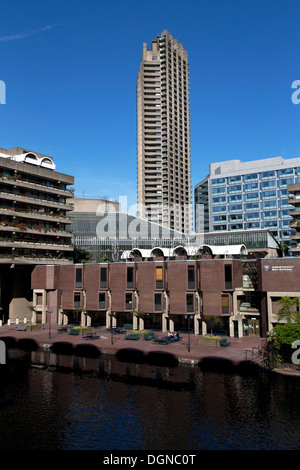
(196, 324)
(204, 328)
(231, 327)
(165, 314)
(164, 322)
(240, 326)
(135, 322)
(197, 315)
(141, 326)
(171, 324)
(108, 318)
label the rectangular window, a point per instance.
(236, 208)
(218, 181)
(221, 190)
(286, 171)
(128, 301)
(268, 184)
(130, 278)
(225, 303)
(102, 300)
(157, 302)
(103, 278)
(189, 302)
(159, 277)
(251, 186)
(78, 282)
(76, 300)
(250, 177)
(236, 197)
(191, 277)
(228, 276)
(235, 188)
(234, 179)
(268, 174)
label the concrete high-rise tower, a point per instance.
(163, 135)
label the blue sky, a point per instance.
(70, 69)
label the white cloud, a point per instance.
(18, 36)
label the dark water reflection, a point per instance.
(68, 402)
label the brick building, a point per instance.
(236, 296)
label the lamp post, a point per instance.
(112, 314)
(49, 311)
(188, 318)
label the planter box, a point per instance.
(208, 342)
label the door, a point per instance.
(253, 327)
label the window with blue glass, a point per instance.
(268, 184)
(236, 208)
(219, 200)
(268, 174)
(268, 194)
(286, 172)
(252, 215)
(236, 197)
(236, 179)
(250, 196)
(269, 204)
(236, 227)
(219, 190)
(235, 188)
(270, 214)
(286, 181)
(252, 205)
(250, 177)
(235, 217)
(285, 203)
(270, 223)
(251, 186)
(252, 225)
(218, 181)
(219, 209)
(219, 218)
(285, 213)
(283, 192)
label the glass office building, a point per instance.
(249, 196)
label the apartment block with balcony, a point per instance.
(294, 200)
(163, 135)
(35, 201)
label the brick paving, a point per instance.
(186, 350)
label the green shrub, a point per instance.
(287, 333)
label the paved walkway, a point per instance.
(187, 350)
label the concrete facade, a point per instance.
(294, 190)
(35, 201)
(163, 135)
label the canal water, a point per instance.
(67, 402)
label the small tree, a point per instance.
(289, 310)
